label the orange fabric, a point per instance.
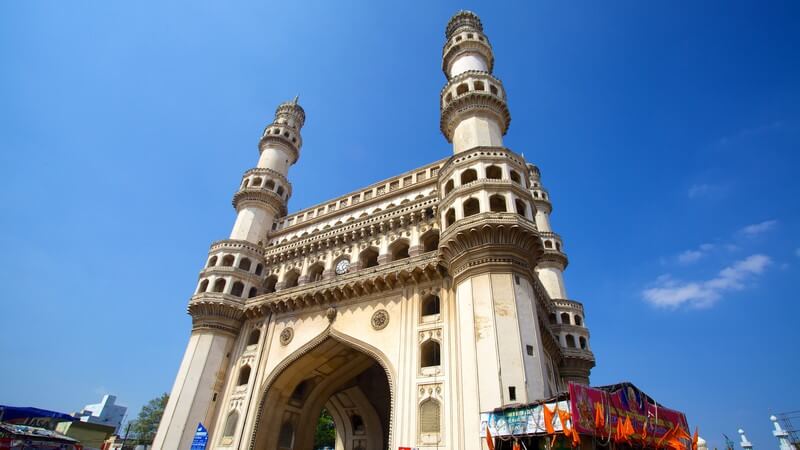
(576, 439)
(516, 446)
(695, 437)
(599, 417)
(676, 444)
(628, 429)
(680, 433)
(563, 416)
(489, 440)
(548, 420)
(644, 430)
(665, 437)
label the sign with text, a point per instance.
(200, 438)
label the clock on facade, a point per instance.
(342, 267)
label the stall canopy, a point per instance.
(34, 417)
(620, 411)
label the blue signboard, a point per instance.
(200, 438)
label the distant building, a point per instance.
(91, 435)
(103, 413)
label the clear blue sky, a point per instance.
(667, 133)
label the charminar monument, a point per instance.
(405, 308)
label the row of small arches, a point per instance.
(551, 244)
(475, 85)
(258, 182)
(237, 288)
(491, 173)
(566, 319)
(228, 261)
(367, 258)
(497, 203)
(570, 342)
(274, 131)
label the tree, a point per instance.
(325, 435)
(144, 427)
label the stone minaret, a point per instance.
(489, 241)
(473, 103)
(233, 272)
(568, 319)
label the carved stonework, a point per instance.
(286, 335)
(380, 319)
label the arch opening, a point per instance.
(332, 380)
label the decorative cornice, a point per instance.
(554, 256)
(215, 312)
(498, 154)
(259, 196)
(238, 246)
(355, 230)
(490, 238)
(382, 278)
(283, 141)
(264, 171)
(463, 20)
(490, 185)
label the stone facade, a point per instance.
(405, 308)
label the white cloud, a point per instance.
(759, 228)
(670, 293)
(694, 255)
(705, 190)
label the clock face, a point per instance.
(342, 267)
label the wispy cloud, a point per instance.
(797, 252)
(705, 190)
(758, 228)
(670, 293)
(694, 255)
(751, 132)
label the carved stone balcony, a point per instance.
(372, 280)
(490, 239)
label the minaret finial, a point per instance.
(296, 98)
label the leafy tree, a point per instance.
(144, 427)
(325, 436)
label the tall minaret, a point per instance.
(489, 242)
(473, 103)
(233, 272)
(266, 189)
(568, 320)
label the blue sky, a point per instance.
(667, 134)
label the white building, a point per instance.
(405, 308)
(104, 413)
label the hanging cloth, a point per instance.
(548, 419)
(489, 440)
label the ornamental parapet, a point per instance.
(422, 210)
(489, 154)
(236, 245)
(283, 137)
(485, 184)
(421, 269)
(216, 312)
(568, 305)
(490, 239)
(268, 174)
(259, 196)
(569, 328)
(472, 92)
(581, 354)
(553, 256)
(240, 274)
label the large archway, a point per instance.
(353, 386)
